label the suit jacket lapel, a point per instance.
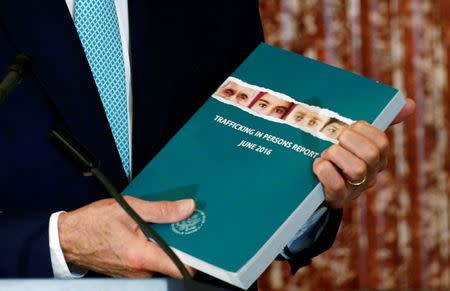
(45, 30)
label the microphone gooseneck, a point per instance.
(148, 231)
(17, 71)
(64, 141)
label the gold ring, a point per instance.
(359, 183)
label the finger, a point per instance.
(162, 211)
(134, 274)
(351, 166)
(360, 146)
(158, 261)
(407, 110)
(376, 136)
(333, 183)
(376, 158)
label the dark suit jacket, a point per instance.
(180, 52)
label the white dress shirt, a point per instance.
(60, 268)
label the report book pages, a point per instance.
(246, 158)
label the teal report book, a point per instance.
(246, 158)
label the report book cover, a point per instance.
(246, 158)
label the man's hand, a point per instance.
(102, 238)
(350, 167)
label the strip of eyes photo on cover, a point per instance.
(274, 106)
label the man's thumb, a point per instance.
(163, 211)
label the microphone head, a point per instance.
(22, 65)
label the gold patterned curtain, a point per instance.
(396, 235)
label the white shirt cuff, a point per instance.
(60, 268)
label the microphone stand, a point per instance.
(18, 70)
(84, 160)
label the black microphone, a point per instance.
(74, 151)
(17, 71)
(83, 159)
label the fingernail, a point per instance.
(186, 205)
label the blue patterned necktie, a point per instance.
(98, 28)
